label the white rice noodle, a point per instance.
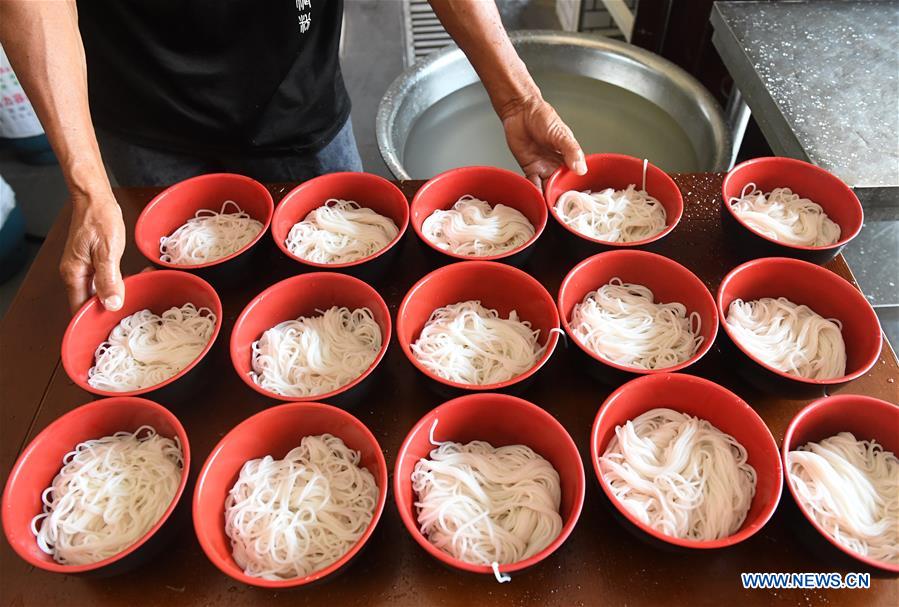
(146, 349)
(785, 217)
(472, 227)
(680, 475)
(621, 322)
(109, 493)
(851, 488)
(487, 505)
(340, 231)
(469, 344)
(290, 517)
(209, 236)
(317, 354)
(789, 337)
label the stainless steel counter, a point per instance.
(822, 80)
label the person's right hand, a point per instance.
(93, 251)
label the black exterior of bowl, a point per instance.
(765, 380)
(828, 554)
(601, 372)
(746, 244)
(437, 259)
(175, 525)
(581, 248)
(234, 272)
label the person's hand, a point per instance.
(93, 251)
(539, 140)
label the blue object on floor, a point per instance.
(34, 150)
(13, 251)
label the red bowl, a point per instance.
(157, 291)
(824, 292)
(497, 286)
(175, 205)
(668, 280)
(709, 401)
(41, 460)
(501, 420)
(812, 182)
(371, 191)
(274, 432)
(867, 418)
(304, 295)
(495, 185)
(617, 171)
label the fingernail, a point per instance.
(580, 167)
(113, 302)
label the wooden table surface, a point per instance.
(601, 563)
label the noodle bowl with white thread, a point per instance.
(290, 517)
(850, 487)
(339, 232)
(108, 495)
(468, 343)
(679, 475)
(209, 236)
(790, 337)
(487, 505)
(145, 349)
(785, 217)
(474, 228)
(610, 215)
(621, 322)
(316, 354)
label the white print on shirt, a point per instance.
(305, 19)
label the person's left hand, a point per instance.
(540, 141)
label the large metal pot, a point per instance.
(655, 79)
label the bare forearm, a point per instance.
(44, 46)
(476, 27)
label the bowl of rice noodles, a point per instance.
(477, 326)
(64, 509)
(783, 207)
(479, 213)
(153, 344)
(632, 312)
(621, 202)
(342, 222)
(841, 467)
(685, 463)
(315, 336)
(206, 225)
(796, 328)
(290, 495)
(489, 483)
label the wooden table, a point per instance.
(601, 563)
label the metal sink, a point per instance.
(647, 75)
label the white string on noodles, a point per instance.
(340, 231)
(291, 517)
(680, 475)
(790, 337)
(470, 344)
(786, 217)
(487, 505)
(109, 493)
(472, 227)
(851, 488)
(316, 354)
(621, 322)
(613, 215)
(145, 349)
(209, 235)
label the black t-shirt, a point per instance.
(218, 75)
